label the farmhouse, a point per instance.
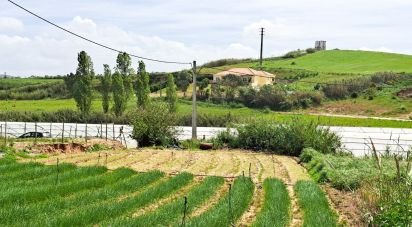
(255, 78)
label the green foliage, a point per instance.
(275, 210)
(106, 81)
(82, 87)
(344, 171)
(152, 126)
(183, 81)
(142, 86)
(97, 147)
(288, 138)
(119, 94)
(168, 214)
(124, 63)
(225, 61)
(36, 91)
(240, 197)
(315, 207)
(171, 95)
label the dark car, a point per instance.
(32, 135)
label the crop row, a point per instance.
(65, 195)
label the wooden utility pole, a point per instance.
(194, 110)
(261, 47)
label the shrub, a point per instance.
(287, 138)
(152, 126)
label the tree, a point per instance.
(106, 81)
(119, 94)
(142, 85)
(171, 95)
(203, 85)
(124, 63)
(153, 126)
(82, 87)
(231, 82)
(183, 81)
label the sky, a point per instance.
(183, 30)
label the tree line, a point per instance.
(117, 85)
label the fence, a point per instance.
(354, 139)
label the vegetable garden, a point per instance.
(63, 194)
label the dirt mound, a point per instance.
(405, 93)
(73, 147)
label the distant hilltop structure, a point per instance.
(320, 45)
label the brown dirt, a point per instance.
(66, 148)
(212, 201)
(181, 192)
(405, 93)
(347, 204)
(254, 207)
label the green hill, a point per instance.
(336, 61)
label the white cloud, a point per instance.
(278, 28)
(10, 24)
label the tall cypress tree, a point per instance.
(171, 95)
(82, 89)
(142, 86)
(124, 63)
(106, 82)
(119, 94)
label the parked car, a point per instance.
(34, 135)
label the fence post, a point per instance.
(250, 166)
(106, 131)
(113, 131)
(35, 132)
(230, 206)
(75, 131)
(1, 130)
(101, 130)
(51, 130)
(25, 127)
(85, 137)
(63, 133)
(184, 213)
(5, 133)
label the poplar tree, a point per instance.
(171, 95)
(124, 63)
(82, 89)
(142, 86)
(106, 82)
(119, 94)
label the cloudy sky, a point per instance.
(183, 30)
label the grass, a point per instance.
(336, 61)
(171, 213)
(275, 211)
(344, 172)
(101, 212)
(221, 214)
(314, 205)
(244, 114)
(126, 182)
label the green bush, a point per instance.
(152, 126)
(286, 138)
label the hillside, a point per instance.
(337, 61)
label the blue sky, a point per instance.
(184, 30)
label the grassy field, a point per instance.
(337, 61)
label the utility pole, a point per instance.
(194, 110)
(261, 46)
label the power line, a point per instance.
(94, 42)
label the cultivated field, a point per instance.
(277, 193)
